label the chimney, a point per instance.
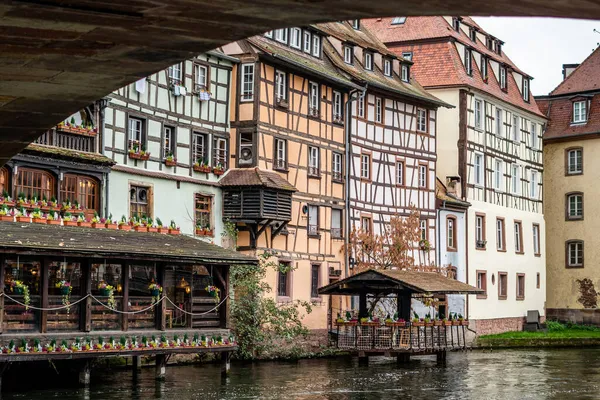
(453, 186)
(567, 69)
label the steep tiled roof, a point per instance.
(66, 154)
(586, 77)
(441, 193)
(361, 37)
(255, 177)
(559, 112)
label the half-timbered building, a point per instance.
(169, 137)
(288, 147)
(393, 129)
(492, 143)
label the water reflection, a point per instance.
(527, 374)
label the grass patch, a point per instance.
(556, 330)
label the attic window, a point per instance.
(499, 47)
(407, 55)
(579, 112)
(456, 23)
(368, 61)
(502, 77)
(356, 24)
(468, 63)
(525, 89)
(473, 34)
(387, 67)
(348, 54)
(405, 72)
(489, 43)
(398, 20)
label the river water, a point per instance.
(506, 374)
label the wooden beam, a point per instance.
(161, 321)
(45, 266)
(278, 230)
(2, 276)
(125, 307)
(86, 308)
(224, 308)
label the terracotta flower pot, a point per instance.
(140, 228)
(200, 168)
(164, 231)
(174, 231)
(9, 218)
(8, 203)
(170, 163)
(125, 227)
(218, 172)
(39, 220)
(69, 223)
(97, 225)
(53, 221)
(152, 229)
(111, 226)
(23, 219)
(84, 224)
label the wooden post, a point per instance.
(362, 305)
(225, 363)
(161, 322)
(1, 301)
(224, 308)
(441, 357)
(44, 294)
(85, 374)
(125, 306)
(86, 307)
(404, 306)
(161, 366)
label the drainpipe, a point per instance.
(353, 95)
(439, 228)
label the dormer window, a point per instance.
(456, 24)
(281, 35)
(398, 20)
(405, 69)
(525, 89)
(368, 61)
(499, 47)
(468, 64)
(407, 55)
(473, 34)
(269, 34)
(489, 42)
(579, 112)
(484, 68)
(387, 67)
(502, 77)
(356, 24)
(316, 46)
(348, 54)
(306, 42)
(295, 37)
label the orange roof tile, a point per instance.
(584, 78)
(559, 111)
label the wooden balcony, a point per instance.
(68, 141)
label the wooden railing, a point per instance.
(68, 141)
(410, 337)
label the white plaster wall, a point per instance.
(458, 258)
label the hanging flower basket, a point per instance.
(213, 291)
(65, 290)
(105, 292)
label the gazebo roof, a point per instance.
(374, 281)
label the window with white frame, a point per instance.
(378, 110)
(484, 68)
(368, 61)
(421, 120)
(468, 63)
(422, 176)
(281, 35)
(502, 78)
(168, 141)
(478, 168)
(575, 205)
(525, 89)
(365, 166)
(533, 184)
(280, 154)
(336, 169)
(579, 111)
(498, 175)
(313, 106)
(518, 237)
(360, 105)
(478, 114)
(337, 106)
(479, 231)
(516, 129)
(220, 152)
(316, 45)
(269, 34)
(400, 173)
(500, 245)
(387, 67)
(407, 55)
(313, 220)
(348, 54)
(499, 122)
(398, 20)
(200, 77)
(515, 179)
(136, 133)
(175, 74)
(423, 229)
(295, 37)
(199, 148)
(365, 224)
(247, 82)
(575, 253)
(280, 85)
(456, 24)
(536, 239)
(405, 72)
(356, 24)
(313, 161)
(450, 233)
(336, 223)
(575, 161)
(534, 138)
(307, 42)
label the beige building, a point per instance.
(572, 167)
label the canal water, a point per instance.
(507, 374)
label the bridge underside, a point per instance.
(57, 56)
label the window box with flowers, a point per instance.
(138, 224)
(6, 200)
(72, 127)
(97, 222)
(136, 153)
(52, 218)
(203, 231)
(123, 224)
(160, 227)
(69, 219)
(170, 160)
(83, 222)
(174, 229)
(202, 166)
(150, 224)
(219, 169)
(109, 223)
(38, 217)
(22, 215)
(6, 214)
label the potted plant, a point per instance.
(110, 224)
(170, 160)
(7, 200)
(69, 219)
(22, 199)
(83, 222)
(51, 218)
(23, 216)
(462, 321)
(5, 214)
(138, 224)
(150, 224)
(160, 227)
(219, 169)
(108, 291)
(38, 217)
(97, 222)
(213, 291)
(19, 288)
(155, 291)
(53, 203)
(65, 291)
(416, 321)
(123, 225)
(174, 229)
(202, 166)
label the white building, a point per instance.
(492, 141)
(181, 117)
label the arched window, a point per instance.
(82, 188)
(35, 183)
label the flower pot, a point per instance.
(170, 163)
(438, 323)
(140, 228)
(105, 292)
(125, 227)
(448, 323)
(65, 290)
(430, 323)
(200, 168)
(164, 231)
(97, 225)
(455, 323)
(174, 231)
(23, 219)
(9, 218)
(69, 223)
(418, 323)
(464, 322)
(8, 203)
(53, 221)
(39, 220)
(135, 156)
(111, 226)
(155, 292)
(152, 229)
(218, 172)
(84, 224)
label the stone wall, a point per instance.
(586, 316)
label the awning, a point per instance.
(52, 240)
(381, 282)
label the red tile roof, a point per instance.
(560, 113)
(255, 177)
(439, 65)
(586, 77)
